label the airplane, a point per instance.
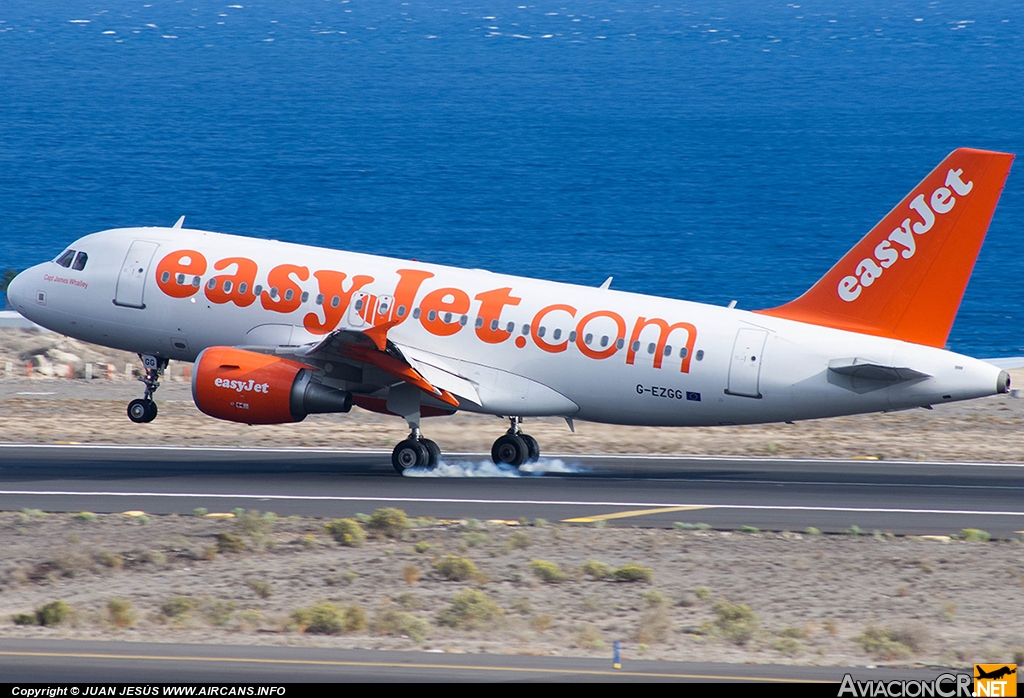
(279, 331)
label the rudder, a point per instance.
(905, 279)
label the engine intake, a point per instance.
(243, 386)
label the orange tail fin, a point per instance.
(906, 277)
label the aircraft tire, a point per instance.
(510, 449)
(434, 450)
(141, 411)
(410, 454)
(532, 448)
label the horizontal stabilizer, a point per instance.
(1007, 363)
(866, 370)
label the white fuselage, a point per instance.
(529, 347)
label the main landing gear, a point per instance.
(415, 452)
(512, 448)
(515, 447)
(144, 410)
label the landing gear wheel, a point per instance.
(532, 448)
(510, 449)
(434, 450)
(142, 411)
(410, 454)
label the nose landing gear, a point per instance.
(515, 447)
(144, 410)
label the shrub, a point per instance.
(347, 532)
(789, 646)
(218, 612)
(254, 524)
(520, 540)
(597, 570)
(422, 547)
(388, 522)
(885, 643)
(325, 618)
(411, 574)
(654, 626)
(260, 587)
(735, 622)
(589, 637)
(471, 609)
(120, 613)
(230, 543)
(391, 621)
(702, 593)
(177, 606)
(199, 512)
(24, 619)
(52, 613)
(455, 569)
(548, 572)
(975, 534)
(85, 516)
(109, 559)
(475, 538)
(812, 531)
(633, 573)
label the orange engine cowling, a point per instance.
(243, 386)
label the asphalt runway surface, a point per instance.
(905, 498)
(70, 661)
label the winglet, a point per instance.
(177, 226)
(906, 277)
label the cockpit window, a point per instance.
(65, 259)
(80, 261)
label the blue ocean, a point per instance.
(703, 150)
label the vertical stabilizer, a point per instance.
(906, 277)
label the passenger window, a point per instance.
(558, 334)
(320, 299)
(80, 261)
(65, 259)
(304, 297)
(335, 302)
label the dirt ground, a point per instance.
(712, 596)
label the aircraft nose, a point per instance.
(17, 290)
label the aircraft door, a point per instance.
(131, 282)
(745, 366)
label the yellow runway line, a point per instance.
(630, 514)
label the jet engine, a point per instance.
(243, 386)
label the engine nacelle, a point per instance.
(243, 386)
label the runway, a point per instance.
(906, 498)
(70, 661)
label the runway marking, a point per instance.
(630, 514)
(539, 502)
(404, 665)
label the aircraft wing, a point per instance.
(372, 347)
